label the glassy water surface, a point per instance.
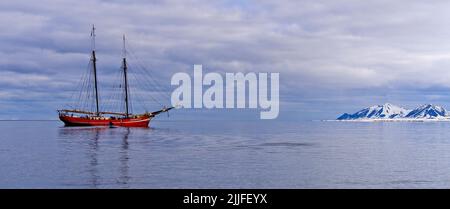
(226, 154)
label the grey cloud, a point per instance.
(321, 48)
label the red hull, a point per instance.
(142, 121)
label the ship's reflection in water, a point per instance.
(124, 167)
(225, 154)
(106, 158)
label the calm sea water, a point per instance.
(226, 154)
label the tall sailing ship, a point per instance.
(84, 117)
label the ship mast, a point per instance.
(125, 77)
(94, 60)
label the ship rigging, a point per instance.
(87, 110)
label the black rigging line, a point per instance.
(138, 97)
(144, 69)
(139, 94)
(113, 93)
(75, 100)
(156, 86)
(146, 83)
(85, 91)
(151, 86)
(86, 104)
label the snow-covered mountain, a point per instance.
(392, 112)
(427, 111)
(386, 111)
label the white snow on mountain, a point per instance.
(427, 111)
(386, 111)
(393, 112)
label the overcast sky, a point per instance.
(332, 56)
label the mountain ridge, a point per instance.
(389, 111)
